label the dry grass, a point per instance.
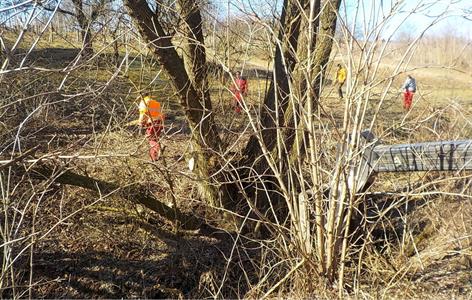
(115, 249)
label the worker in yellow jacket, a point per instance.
(151, 118)
(341, 75)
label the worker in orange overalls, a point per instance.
(239, 90)
(151, 118)
(341, 75)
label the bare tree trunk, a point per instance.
(87, 42)
(194, 48)
(85, 31)
(323, 43)
(51, 34)
(285, 59)
(290, 68)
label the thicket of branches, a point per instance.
(286, 177)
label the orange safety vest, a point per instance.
(150, 110)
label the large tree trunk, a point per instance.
(279, 89)
(87, 46)
(309, 82)
(299, 61)
(291, 58)
(272, 112)
(194, 46)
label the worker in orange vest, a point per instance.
(239, 90)
(151, 118)
(341, 75)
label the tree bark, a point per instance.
(292, 67)
(279, 89)
(194, 46)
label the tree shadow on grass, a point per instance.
(51, 57)
(174, 267)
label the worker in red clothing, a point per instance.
(239, 90)
(409, 89)
(152, 118)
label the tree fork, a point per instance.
(279, 91)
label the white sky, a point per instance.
(416, 15)
(411, 15)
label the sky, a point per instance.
(414, 16)
(410, 16)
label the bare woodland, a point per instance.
(270, 202)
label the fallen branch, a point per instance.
(9, 162)
(135, 193)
